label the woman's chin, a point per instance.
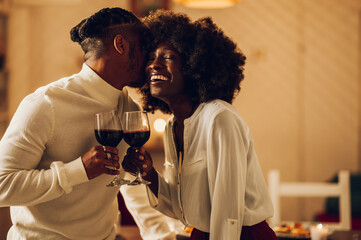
(159, 95)
(156, 92)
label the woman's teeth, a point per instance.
(154, 78)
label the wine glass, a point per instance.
(136, 134)
(108, 132)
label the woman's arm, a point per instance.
(227, 168)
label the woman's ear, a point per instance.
(119, 43)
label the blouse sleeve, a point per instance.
(152, 224)
(163, 202)
(227, 167)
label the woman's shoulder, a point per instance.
(219, 112)
(217, 107)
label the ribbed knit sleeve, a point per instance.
(21, 151)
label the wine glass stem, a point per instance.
(139, 175)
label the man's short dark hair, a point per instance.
(96, 33)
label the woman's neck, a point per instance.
(183, 109)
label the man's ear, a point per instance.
(119, 43)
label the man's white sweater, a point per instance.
(42, 176)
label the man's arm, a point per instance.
(21, 151)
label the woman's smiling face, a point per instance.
(164, 73)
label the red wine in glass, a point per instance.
(108, 137)
(136, 134)
(108, 132)
(136, 139)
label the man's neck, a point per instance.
(105, 69)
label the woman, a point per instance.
(212, 180)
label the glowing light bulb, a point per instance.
(159, 125)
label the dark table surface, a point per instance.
(345, 235)
(337, 235)
(132, 233)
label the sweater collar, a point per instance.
(98, 88)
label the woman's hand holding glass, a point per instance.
(138, 158)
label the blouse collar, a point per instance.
(188, 120)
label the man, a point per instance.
(52, 171)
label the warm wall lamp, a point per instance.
(210, 4)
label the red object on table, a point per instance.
(126, 217)
(327, 217)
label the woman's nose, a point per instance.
(155, 63)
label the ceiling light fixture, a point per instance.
(207, 4)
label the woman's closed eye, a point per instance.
(169, 56)
(163, 57)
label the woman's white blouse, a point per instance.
(219, 186)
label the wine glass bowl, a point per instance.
(136, 133)
(108, 132)
(108, 137)
(136, 139)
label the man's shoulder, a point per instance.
(58, 84)
(44, 94)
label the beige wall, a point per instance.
(301, 95)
